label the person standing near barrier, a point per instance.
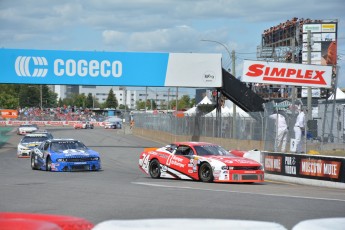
(281, 131)
(298, 128)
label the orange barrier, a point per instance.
(63, 222)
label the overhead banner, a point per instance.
(287, 74)
(54, 67)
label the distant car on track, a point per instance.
(44, 132)
(113, 125)
(29, 142)
(65, 155)
(199, 161)
(26, 128)
(83, 125)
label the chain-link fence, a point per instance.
(260, 126)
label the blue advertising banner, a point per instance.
(82, 68)
(54, 67)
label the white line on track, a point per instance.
(226, 191)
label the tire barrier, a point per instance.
(61, 221)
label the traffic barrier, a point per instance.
(63, 222)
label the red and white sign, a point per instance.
(287, 74)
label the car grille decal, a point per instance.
(82, 159)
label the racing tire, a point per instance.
(49, 164)
(205, 173)
(33, 164)
(155, 169)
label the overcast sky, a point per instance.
(158, 25)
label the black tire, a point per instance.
(205, 173)
(155, 169)
(49, 164)
(33, 164)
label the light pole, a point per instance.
(41, 96)
(232, 57)
(227, 50)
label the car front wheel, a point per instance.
(205, 173)
(155, 169)
(49, 164)
(33, 164)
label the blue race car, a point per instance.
(64, 155)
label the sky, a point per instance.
(159, 25)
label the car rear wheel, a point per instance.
(49, 164)
(155, 169)
(205, 173)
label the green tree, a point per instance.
(111, 101)
(8, 101)
(140, 104)
(89, 101)
(29, 96)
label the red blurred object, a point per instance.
(43, 220)
(23, 224)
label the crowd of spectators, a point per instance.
(65, 113)
(286, 30)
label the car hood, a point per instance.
(76, 153)
(234, 160)
(31, 144)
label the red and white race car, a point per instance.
(83, 125)
(199, 161)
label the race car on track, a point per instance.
(199, 161)
(113, 125)
(83, 125)
(26, 128)
(29, 142)
(65, 155)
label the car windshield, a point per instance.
(30, 126)
(66, 145)
(211, 150)
(28, 139)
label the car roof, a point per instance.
(62, 139)
(26, 125)
(193, 143)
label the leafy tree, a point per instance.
(29, 96)
(60, 103)
(8, 101)
(140, 104)
(89, 101)
(111, 101)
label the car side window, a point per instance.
(46, 146)
(184, 150)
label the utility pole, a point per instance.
(146, 100)
(168, 107)
(41, 97)
(233, 70)
(309, 118)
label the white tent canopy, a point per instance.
(227, 112)
(339, 95)
(204, 101)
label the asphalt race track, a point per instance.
(122, 191)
